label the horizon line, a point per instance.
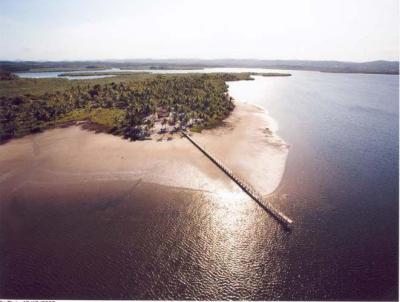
(187, 58)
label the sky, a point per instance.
(345, 30)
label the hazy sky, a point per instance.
(351, 30)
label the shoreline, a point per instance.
(75, 154)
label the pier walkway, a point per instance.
(267, 206)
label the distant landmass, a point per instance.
(381, 67)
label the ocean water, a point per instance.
(341, 179)
(127, 240)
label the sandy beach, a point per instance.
(74, 155)
(115, 218)
(94, 216)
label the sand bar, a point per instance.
(74, 155)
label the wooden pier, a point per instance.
(267, 206)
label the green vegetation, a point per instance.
(38, 87)
(133, 106)
(379, 67)
(99, 73)
(65, 69)
(108, 118)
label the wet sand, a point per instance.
(248, 145)
(94, 216)
(73, 155)
(88, 227)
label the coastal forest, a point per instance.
(132, 106)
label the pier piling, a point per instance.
(266, 205)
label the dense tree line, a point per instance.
(189, 100)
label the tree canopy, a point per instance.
(125, 107)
